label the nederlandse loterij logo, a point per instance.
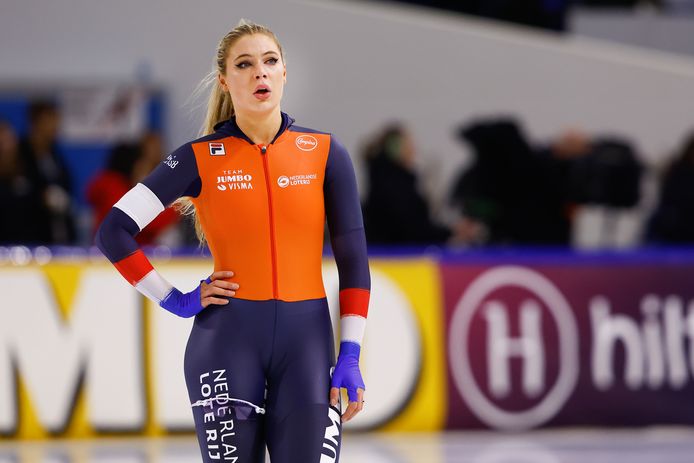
(306, 143)
(331, 438)
(294, 180)
(217, 149)
(481, 356)
(234, 180)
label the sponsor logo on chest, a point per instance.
(217, 149)
(285, 181)
(306, 142)
(234, 179)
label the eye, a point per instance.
(243, 64)
(272, 61)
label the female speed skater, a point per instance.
(259, 363)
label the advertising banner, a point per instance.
(568, 343)
(83, 354)
(510, 345)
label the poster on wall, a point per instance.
(103, 113)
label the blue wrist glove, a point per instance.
(184, 305)
(346, 373)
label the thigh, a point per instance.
(223, 370)
(301, 425)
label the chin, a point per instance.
(263, 107)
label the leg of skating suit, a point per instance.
(301, 425)
(226, 355)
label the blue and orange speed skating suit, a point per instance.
(258, 368)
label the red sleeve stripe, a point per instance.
(134, 267)
(354, 301)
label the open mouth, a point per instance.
(262, 91)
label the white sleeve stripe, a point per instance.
(141, 205)
(342, 317)
(154, 286)
(352, 329)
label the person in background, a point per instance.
(19, 198)
(44, 169)
(395, 212)
(127, 165)
(519, 193)
(672, 221)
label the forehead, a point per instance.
(255, 44)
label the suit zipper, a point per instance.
(273, 248)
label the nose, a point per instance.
(261, 73)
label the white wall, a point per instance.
(640, 27)
(354, 65)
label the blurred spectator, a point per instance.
(19, 198)
(151, 154)
(395, 212)
(43, 168)
(673, 219)
(127, 165)
(520, 195)
(609, 174)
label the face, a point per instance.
(255, 75)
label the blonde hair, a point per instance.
(219, 105)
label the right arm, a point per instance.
(176, 176)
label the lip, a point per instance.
(262, 96)
(262, 87)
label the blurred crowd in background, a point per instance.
(513, 192)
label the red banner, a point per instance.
(569, 344)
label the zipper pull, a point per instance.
(263, 149)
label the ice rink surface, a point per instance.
(657, 445)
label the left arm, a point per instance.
(348, 242)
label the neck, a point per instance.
(261, 129)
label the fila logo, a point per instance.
(306, 143)
(217, 149)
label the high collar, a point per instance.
(229, 127)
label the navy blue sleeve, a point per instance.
(345, 221)
(176, 176)
(116, 235)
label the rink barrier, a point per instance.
(505, 340)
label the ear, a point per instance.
(284, 74)
(222, 82)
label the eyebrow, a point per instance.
(249, 56)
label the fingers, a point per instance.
(360, 400)
(217, 287)
(221, 275)
(213, 300)
(211, 290)
(354, 407)
(334, 396)
(225, 284)
(350, 412)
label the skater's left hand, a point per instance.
(347, 375)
